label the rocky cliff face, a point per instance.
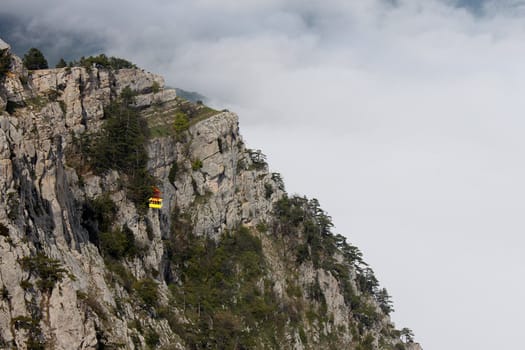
(230, 261)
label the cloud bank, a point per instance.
(403, 117)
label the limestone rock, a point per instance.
(145, 100)
(137, 80)
(211, 185)
(4, 45)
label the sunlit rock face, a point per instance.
(85, 265)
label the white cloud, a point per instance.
(404, 118)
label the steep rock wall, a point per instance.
(60, 291)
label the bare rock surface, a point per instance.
(59, 292)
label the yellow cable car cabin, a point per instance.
(155, 201)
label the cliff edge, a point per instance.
(230, 261)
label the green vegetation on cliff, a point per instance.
(103, 61)
(230, 262)
(305, 231)
(120, 145)
(48, 271)
(225, 291)
(34, 59)
(226, 287)
(176, 118)
(5, 62)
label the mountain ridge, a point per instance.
(231, 261)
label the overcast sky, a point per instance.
(403, 117)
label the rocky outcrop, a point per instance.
(86, 267)
(4, 45)
(413, 346)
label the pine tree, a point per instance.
(34, 59)
(407, 335)
(61, 64)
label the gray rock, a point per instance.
(45, 201)
(137, 80)
(4, 45)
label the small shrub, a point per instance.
(81, 295)
(152, 338)
(246, 242)
(13, 204)
(303, 254)
(120, 274)
(12, 106)
(4, 231)
(241, 165)
(196, 164)
(227, 327)
(302, 336)
(120, 63)
(293, 290)
(78, 151)
(181, 122)
(35, 344)
(52, 94)
(32, 326)
(367, 343)
(23, 322)
(173, 172)
(127, 95)
(24, 79)
(118, 243)
(5, 63)
(98, 216)
(93, 302)
(155, 87)
(37, 102)
(366, 314)
(147, 291)
(268, 190)
(400, 346)
(63, 106)
(136, 341)
(262, 227)
(4, 293)
(26, 285)
(315, 292)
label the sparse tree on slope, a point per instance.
(61, 64)
(407, 335)
(34, 59)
